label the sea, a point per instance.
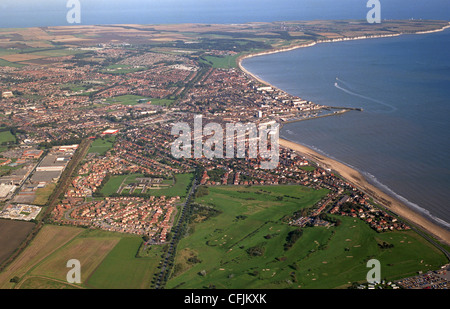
(400, 141)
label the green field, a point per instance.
(226, 62)
(121, 69)
(162, 102)
(128, 99)
(5, 63)
(5, 138)
(102, 145)
(182, 181)
(59, 52)
(114, 183)
(216, 252)
(121, 269)
(107, 259)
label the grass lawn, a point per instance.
(308, 168)
(128, 99)
(226, 62)
(43, 194)
(323, 257)
(182, 181)
(121, 69)
(178, 189)
(6, 136)
(102, 145)
(162, 102)
(113, 185)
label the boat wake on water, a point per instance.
(392, 108)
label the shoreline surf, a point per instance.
(391, 201)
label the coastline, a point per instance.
(313, 43)
(360, 182)
(349, 174)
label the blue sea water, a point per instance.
(401, 141)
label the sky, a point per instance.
(25, 13)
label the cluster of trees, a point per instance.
(70, 141)
(216, 174)
(202, 213)
(330, 219)
(292, 237)
(347, 207)
(201, 191)
(97, 193)
(385, 245)
(256, 251)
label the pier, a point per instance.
(340, 111)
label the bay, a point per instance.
(401, 140)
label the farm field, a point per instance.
(48, 240)
(12, 233)
(5, 63)
(243, 245)
(108, 260)
(121, 269)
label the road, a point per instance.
(174, 240)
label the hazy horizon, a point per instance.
(31, 13)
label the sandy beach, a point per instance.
(357, 180)
(351, 175)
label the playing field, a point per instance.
(178, 189)
(226, 62)
(102, 145)
(243, 246)
(6, 136)
(128, 99)
(161, 102)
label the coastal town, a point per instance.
(86, 136)
(142, 138)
